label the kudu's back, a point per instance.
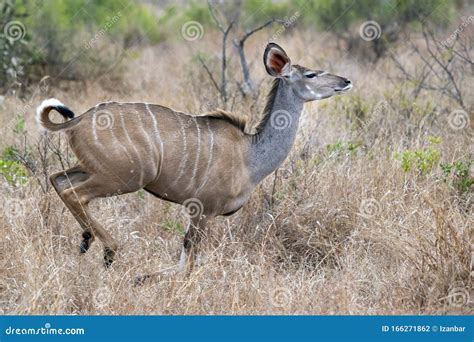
(171, 154)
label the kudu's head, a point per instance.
(308, 84)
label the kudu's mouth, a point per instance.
(347, 87)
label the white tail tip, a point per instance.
(45, 104)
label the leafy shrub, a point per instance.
(339, 15)
(342, 148)
(198, 11)
(15, 54)
(342, 16)
(421, 160)
(13, 171)
(174, 227)
(62, 37)
(458, 176)
(257, 12)
(252, 12)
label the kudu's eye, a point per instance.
(311, 75)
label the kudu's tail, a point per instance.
(42, 115)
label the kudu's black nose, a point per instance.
(345, 86)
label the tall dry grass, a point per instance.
(337, 230)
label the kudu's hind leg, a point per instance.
(77, 188)
(64, 180)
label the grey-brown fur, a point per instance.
(205, 161)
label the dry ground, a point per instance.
(338, 230)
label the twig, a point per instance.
(248, 87)
(209, 73)
(444, 67)
(218, 23)
(224, 63)
(258, 28)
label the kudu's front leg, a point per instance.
(195, 233)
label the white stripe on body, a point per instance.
(196, 164)
(156, 135)
(140, 165)
(184, 156)
(150, 146)
(209, 160)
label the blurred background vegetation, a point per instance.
(59, 34)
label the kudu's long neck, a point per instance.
(278, 131)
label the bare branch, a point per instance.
(261, 27)
(248, 87)
(209, 73)
(439, 71)
(224, 62)
(443, 66)
(213, 15)
(225, 33)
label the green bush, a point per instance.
(66, 39)
(174, 227)
(15, 55)
(119, 19)
(458, 176)
(257, 12)
(340, 15)
(198, 11)
(421, 160)
(342, 148)
(350, 20)
(12, 170)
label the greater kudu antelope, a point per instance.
(208, 163)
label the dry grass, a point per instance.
(333, 232)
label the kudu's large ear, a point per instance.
(276, 61)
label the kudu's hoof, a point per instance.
(156, 276)
(140, 280)
(109, 256)
(86, 242)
